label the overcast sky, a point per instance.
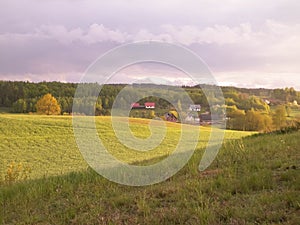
(247, 43)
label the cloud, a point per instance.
(270, 48)
(270, 32)
(258, 79)
(94, 34)
(99, 33)
(39, 77)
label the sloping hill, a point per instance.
(254, 180)
(46, 144)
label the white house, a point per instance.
(196, 108)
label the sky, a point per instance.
(245, 43)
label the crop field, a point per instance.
(253, 180)
(47, 145)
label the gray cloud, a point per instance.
(39, 39)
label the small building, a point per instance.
(171, 116)
(192, 118)
(137, 106)
(205, 118)
(150, 105)
(189, 118)
(196, 108)
(267, 101)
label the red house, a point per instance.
(136, 106)
(149, 105)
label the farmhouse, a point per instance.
(137, 106)
(149, 105)
(196, 108)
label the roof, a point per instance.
(195, 106)
(135, 104)
(174, 113)
(205, 116)
(149, 103)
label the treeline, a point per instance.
(246, 109)
(252, 113)
(22, 97)
(277, 96)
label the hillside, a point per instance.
(46, 144)
(253, 180)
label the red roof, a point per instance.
(135, 105)
(150, 104)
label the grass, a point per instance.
(46, 144)
(253, 180)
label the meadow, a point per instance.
(254, 179)
(46, 144)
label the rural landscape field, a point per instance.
(46, 179)
(254, 179)
(46, 144)
(136, 112)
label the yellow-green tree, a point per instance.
(48, 105)
(236, 118)
(254, 121)
(151, 114)
(279, 117)
(268, 123)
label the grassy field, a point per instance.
(47, 145)
(253, 180)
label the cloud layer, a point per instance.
(44, 40)
(271, 32)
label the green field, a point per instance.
(47, 145)
(253, 180)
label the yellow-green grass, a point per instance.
(46, 144)
(253, 180)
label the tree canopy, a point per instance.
(48, 105)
